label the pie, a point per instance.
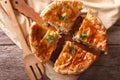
(36, 34)
(62, 14)
(43, 47)
(72, 47)
(92, 32)
(74, 59)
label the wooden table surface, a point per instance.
(107, 68)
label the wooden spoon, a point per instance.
(22, 7)
(33, 66)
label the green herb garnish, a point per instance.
(71, 49)
(83, 36)
(50, 39)
(63, 18)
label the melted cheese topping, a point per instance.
(73, 63)
(62, 13)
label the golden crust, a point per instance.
(62, 13)
(92, 32)
(74, 63)
(46, 47)
(40, 46)
(74, 58)
(36, 34)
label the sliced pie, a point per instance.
(74, 59)
(62, 13)
(92, 32)
(37, 32)
(43, 47)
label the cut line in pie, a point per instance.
(73, 52)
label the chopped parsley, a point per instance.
(71, 49)
(83, 36)
(63, 18)
(50, 39)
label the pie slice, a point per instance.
(74, 59)
(43, 46)
(62, 14)
(37, 32)
(92, 32)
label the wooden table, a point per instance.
(107, 68)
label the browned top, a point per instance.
(76, 61)
(107, 68)
(81, 57)
(46, 46)
(36, 33)
(39, 44)
(62, 13)
(93, 32)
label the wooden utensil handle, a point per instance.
(22, 7)
(13, 23)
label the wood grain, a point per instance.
(4, 40)
(106, 68)
(101, 73)
(117, 22)
(113, 35)
(11, 64)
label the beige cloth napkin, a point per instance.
(107, 10)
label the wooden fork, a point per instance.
(33, 66)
